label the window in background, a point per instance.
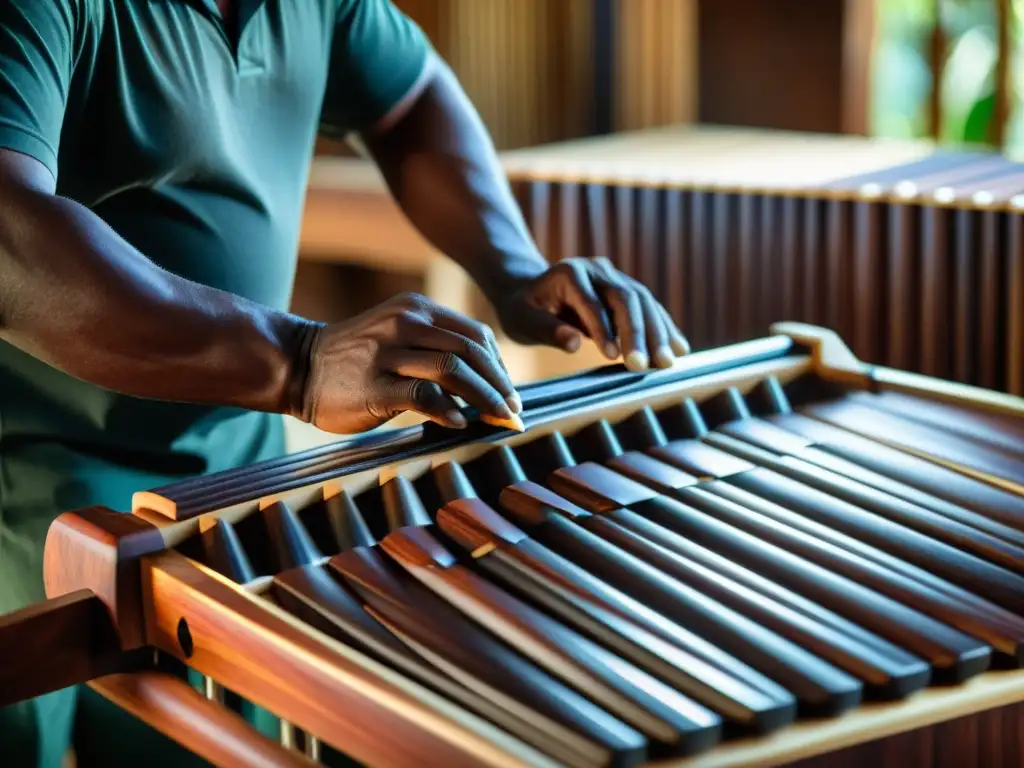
(950, 70)
(902, 76)
(969, 71)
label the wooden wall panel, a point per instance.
(859, 44)
(527, 65)
(655, 62)
(531, 68)
(789, 64)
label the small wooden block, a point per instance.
(99, 550)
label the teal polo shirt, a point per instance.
(194, 146)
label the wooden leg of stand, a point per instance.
(213, 732)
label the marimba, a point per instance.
(772, 553)
(914, 255)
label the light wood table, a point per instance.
(350, 218)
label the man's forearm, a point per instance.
(75, 295)
(441, 166)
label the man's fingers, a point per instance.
(658, 339)
(664, 339)
(628, 313)
(453, 374)
(482, 335)
(676, 338)
(514, 401)
(581, 295)
(397, 395)
(479, 357)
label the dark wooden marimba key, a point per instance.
(820, 686)
(505, 553)
(223, 552)
(734, 419)
(668, 718)
(482, 681)
(699, 458)
(958, 607)
(998, 550)
(453, 485)
(670, 467)
(888, 672)
(385, 612)
(292, 545)
(861, 463)
(971, 423)
(838, 553)
(637, 506)
(924, 440)
(1001, 506)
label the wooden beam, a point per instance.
(204, 727)
(860, 38)
(61, 642)
(339, 695)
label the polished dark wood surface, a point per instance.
(604, 614)
(667, 718)
(489, 680)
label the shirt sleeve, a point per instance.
(377, 56)
(37, 44)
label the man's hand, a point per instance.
(407, 354)
(614, 310)
(441, 167)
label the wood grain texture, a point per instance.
(342, 697)
(656, 63)
(65, 641)
(206, 728)
(98, 549)
(672, 721)
(409, 629)
(525, 64)
(990, 738)
(581, 600)
(242, 638)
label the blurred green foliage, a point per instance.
(902, 75)
(902, 78)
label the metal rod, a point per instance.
(288, 735)
(312, 747)
(213, 690)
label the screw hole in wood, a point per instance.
(185, 638)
